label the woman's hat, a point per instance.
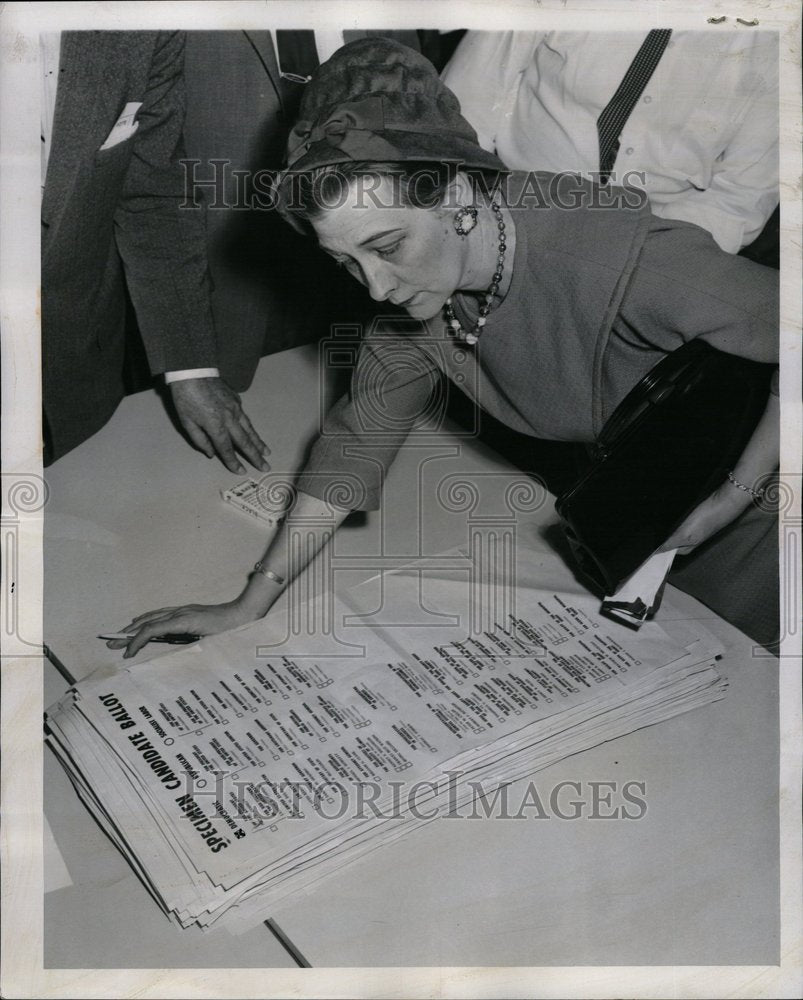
(378, 100)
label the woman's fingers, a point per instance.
(162, 626)
(713, 514)
(194, 619)
(138, 640)
(159, 616)
(680, 540)
(132, 627)
(148, 615)
(143, 628)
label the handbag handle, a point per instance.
(655, 386)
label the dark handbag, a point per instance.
(668, 445)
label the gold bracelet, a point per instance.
(259, 568)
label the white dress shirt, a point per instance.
(704, 132)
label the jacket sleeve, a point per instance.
(391, 389)
(161, 243)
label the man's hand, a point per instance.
(211, 414)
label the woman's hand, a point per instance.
(261, 592)
(723, 506)
(727, 502)
(197, 619)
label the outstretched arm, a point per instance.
(361, 436)
(313, 522)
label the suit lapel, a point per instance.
(262, 42)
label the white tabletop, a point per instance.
(134, 522)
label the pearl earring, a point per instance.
(465, 219)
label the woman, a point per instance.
(549, 299)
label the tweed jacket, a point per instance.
(113, 218)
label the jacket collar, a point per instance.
(262, 43)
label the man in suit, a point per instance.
(272, 288)
(112, 116)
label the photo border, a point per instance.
(22, 702)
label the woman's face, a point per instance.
(409, 256)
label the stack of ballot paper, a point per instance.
(253, 766)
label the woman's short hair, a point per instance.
(425, 185)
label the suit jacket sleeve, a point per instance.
(163, 244)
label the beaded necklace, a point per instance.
(472, 336)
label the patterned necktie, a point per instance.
(298, 59)
(614, 116)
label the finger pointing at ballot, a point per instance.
(213, 418)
